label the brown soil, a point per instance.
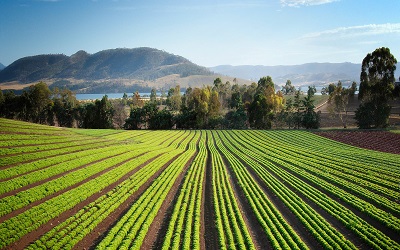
(286, 213)
(329, 121)
(339, 225)
(43, 150)
(14, 192)
(51, 156)
(383, 141)
(158, 228)
(300, 229)
(36, 234)
(208, 230)
(259, 238)
(91, 240)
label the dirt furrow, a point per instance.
(36, 234)
(209, 239)
(259, 238)
(14, 192)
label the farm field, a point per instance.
(206, 189)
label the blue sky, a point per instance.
(207, 32)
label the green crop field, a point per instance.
(239, 189)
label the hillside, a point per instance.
(139, 64)
(310, 73)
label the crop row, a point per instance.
(343, 161)
(307, 168)
(389, 164)
(13, 229)
(279, 232)
(184, 225)
(107, 160)
(232, 230)
(71, 231)
(21, 158)
(255, 147)
(131, 229)
(59, 160)
(321, 230)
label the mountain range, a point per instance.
(2, 66)
(139, 63)
(128, 70)
(304, 74)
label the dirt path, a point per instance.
(209, 239)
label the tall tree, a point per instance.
(104, 113)
(310, 119)
(39, 102)
(136, 100)
(288, 89)
(338, 102)
(65, 107)
(174, 99)
(376, 89)
(2, 100)
(265, 104)
(153, 95)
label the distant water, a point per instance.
(110, 96)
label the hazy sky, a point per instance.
(207, 32)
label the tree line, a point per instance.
(220, 106)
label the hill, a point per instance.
(304, 74)
(125, 65)
(2, 66)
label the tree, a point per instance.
(39, 102)
(288, 89)
(104, 113)
(310, 119)
(136, 100)
(161, 120)
(174, 99)
(2, 100)
(65, 107)
(223, 91)
(120, 113)
(376, 89)
(153, 95)
(265, 104)
(338, 101)
(135, 119)
(352, 89)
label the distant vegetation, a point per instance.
(224, 105)
(139, 63)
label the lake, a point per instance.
(110, 96)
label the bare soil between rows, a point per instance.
(36, 234)
(382, 141)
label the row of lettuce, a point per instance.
(321, 182)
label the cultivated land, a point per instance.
(109, 189)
